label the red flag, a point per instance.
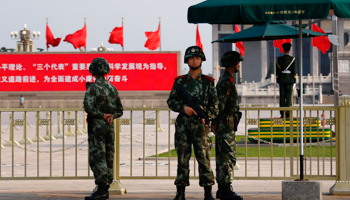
(278, 43)
(239, 45)
(198, 39)
(117, 36)
(153, 41)
(50, 39)
(321, 42)
(78, 39)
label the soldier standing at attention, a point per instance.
(189, 128)
(102, 104)
(225, 141)
(286, 69)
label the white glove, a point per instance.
(294, 86)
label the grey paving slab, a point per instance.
(141, 189)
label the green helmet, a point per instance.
(99, 66)
(230, 59)
(194, 51)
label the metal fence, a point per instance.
(43, 144)
(319, 144)
(52, 144)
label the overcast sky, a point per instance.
(67, 16)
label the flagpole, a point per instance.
(84, 25)
(160, 41)
(123, 32)
(47, 22)
(274, 72)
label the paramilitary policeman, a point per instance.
(225, 141)
(286, 77)
(102, 104)
(189, 128)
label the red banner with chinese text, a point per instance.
(69, 71)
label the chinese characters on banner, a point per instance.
(69, 72)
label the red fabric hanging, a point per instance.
(78, 39)
(239, 45)
(321, 42)
(153, 41)
(117, 36)
(198, 40)
(50, 40)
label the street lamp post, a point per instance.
(101, 49)
(25, 36)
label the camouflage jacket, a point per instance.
(102, 97)
(228, 97)
(202, 88)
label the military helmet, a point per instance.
(230, 59)
(194, 51)
(99, 66)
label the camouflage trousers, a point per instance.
(225, 151)
(101, 155)
(190, 131)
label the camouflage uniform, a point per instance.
(101, 97)
(225, 142)
(189, 130)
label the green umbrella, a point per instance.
(261, 11)
(269, 31)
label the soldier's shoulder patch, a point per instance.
(231, 80)
(208, 77)
(178, 77)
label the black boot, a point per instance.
(207, 193)
(100, 194)
(218, 194)
(180, 194)
(107, 191)
(226, 193)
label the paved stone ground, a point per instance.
(141, 189)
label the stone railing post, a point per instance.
(342, 184)
(12, 141)
(37, 137)
(158, 128)
(84, 130)
(59, 124)
(69, 132)
(25, 139)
